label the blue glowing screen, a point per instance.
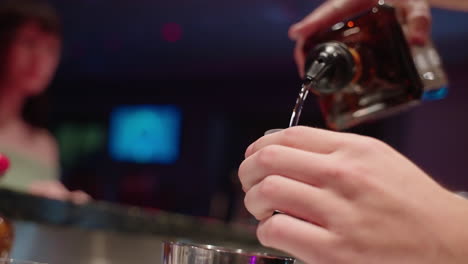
(145, 134)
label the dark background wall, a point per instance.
(228, 66)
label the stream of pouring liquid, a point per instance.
(296, 114)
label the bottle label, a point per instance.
(429, 67)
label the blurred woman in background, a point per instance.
(30, 45)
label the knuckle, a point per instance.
(346, 141)
(271, 230)
(335, 165)
(338, 172)
(293, 137)
(241, 173)
(338, 241)
(360, 171)
(294, 133)
(360, 179)
(353, 177)
(348, 171)
(270, 187)
(266, 156)
(248, 202)
(342, 246)
(370, 145)
(342, 140)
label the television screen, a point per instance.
(145, 134)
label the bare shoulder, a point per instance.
(35, 143)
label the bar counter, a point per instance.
(59, 232)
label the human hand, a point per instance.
(57, 191)
(416, 14)
(360, 201)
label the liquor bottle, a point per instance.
(364, 69)
(6, 229)
(6, 237)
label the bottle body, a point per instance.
(386, 76)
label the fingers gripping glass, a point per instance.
(271, 131)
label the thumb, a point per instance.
(330, 12)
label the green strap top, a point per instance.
(24, 171)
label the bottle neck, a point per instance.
(329, 68)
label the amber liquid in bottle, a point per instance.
(372, 72)
(6, 237)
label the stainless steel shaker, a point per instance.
(184, 253)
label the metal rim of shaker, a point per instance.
(19, 261)
(227, 250)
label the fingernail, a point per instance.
(271, 131)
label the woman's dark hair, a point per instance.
(13, 15)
